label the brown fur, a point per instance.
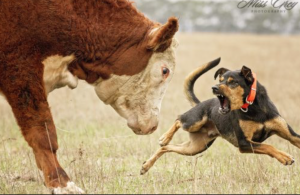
(162, 38)
(198, 125)
(250, 128)
(235, 96)
(282, 157)
(229, 79)
(168, 136)
(106, 36)
(279, 126)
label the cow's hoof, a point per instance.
(71, 188)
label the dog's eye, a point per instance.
(233, 83)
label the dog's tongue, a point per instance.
(225, 104)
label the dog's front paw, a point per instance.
(145, 168)
(164, 140)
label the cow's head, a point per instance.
(138, 97)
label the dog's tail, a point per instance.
(193, 76)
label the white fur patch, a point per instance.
(71, 188)
(56, 73)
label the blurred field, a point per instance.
(102, 155)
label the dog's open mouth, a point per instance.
(224, 104)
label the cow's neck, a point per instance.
(108, 48)
(109, 45)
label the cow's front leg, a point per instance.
(29, 103)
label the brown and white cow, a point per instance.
(48, 44)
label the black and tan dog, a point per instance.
(242, 114)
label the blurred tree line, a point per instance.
(222, 16)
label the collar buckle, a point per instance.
(249, 102)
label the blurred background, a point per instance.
(223, 16)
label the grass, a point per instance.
(102, 155)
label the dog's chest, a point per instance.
(231, 137)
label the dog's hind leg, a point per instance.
(258, 148)
(246, 145)
(280, 127)
(199, 142)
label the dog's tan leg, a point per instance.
(199, 142)
(191, 128)
(282, 129)
(258, 148)
(168, 136)
(248, 146)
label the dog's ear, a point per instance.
(220, 72)
(247, 74)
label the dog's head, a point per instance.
(233, 88)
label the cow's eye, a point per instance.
(165, 72)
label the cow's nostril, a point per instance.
(154, 128)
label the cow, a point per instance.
(49, 44)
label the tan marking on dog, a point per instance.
(187, 83)
(230, 79)
(56, 73)
(197, 126)
(249, 128)
(278, 124)
(168, 136)
(221, 79)
(282, 157)
(199, 142)
(280, 127)
(235, 96)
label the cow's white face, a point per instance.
(138, 98)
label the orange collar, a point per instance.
(251, 97)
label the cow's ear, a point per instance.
(161, 38)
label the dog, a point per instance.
(242, 113)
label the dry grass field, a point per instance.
(102, 155)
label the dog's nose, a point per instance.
(215, 89)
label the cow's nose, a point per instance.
(154, 128)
